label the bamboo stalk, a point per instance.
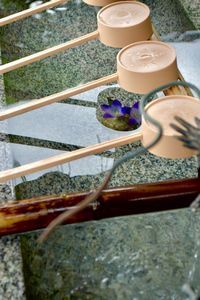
(46, 53)
(29, 12)
(37, 213)
(38, 103)
(67, 157)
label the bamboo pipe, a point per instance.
(37, 213)
(109, 34)
(67, 157)
(29, 12)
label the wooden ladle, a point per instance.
(141, 67)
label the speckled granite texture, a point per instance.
(11, 278)
(192, 9)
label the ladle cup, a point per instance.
(141, 67)
(164, 110)
(163, 139)
(119, 24)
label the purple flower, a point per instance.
(121, 117)
(134, 116)
(115, 110)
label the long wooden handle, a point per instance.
(46, 53)
(29, 12)
(35, 104)
(67, 157)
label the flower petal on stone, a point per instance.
(105, 107)
(126, 110)
(108, 116)
(135, 115)
(116, 104)
(136, 105)
(132, 121)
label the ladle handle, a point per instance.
(29, 12)
(35, 104)
(67, 157)
(178, 90)
(175, 90)
(46, 53)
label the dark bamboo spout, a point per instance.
(37, 213)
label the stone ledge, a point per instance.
(11, 275)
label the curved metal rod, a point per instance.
(130, 155)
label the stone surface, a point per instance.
(11, 277)
(142, 258)
(192, 9)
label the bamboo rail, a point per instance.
(37, 213)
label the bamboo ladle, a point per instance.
(164, 144)
(29, 12)
(119, 24)
(141, 67)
